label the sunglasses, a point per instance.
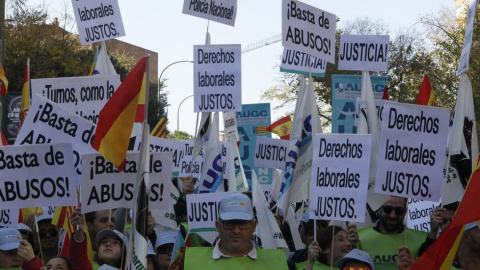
(165, 249)
(387, 209)
(43, 232)
(242, 224)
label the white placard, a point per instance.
(308, 29)
(33, 175)
(48, 122)
(104, 187)
(302, 63)
(84, 96)
(202, 210)
(222, 11)
(217, 81)
(340, 173)
(418, 216)
(270, 153)
(379, 104)
(230, 126)
(226, 156)
(164, 145)
(9, 217)
(98, 20)
(413, 141)
(187, 166)
(467, 43)
(363, 53)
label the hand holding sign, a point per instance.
(76, 219)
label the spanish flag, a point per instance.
(282, 128)
(3, 82)
(441, 253)
(425, 94)
(160, 129)
(116, 119)
(25, 103)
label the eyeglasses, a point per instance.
(43, 232)
(164, 249)
(398, 210)
(242, 224)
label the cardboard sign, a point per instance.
(411, 153)
(48, 122)
(230, 126)
(164, 145)
(340, 173)
(363, 53)
(467, 43)
(98, 20)
(270, 153)
(217, 81)
(84, 96)
(9, 217)
(222, 11)
(104, 187)
(418, 216)
(301, 63)
(308, 29)
(202, 210)
(32, 175)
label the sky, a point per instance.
(160, 26)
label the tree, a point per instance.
(179, 135)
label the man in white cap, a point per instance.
(235, 248)
(9, 242)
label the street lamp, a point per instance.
(160, 77)
(178, 111)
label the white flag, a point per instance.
(104, 65)
(203, 134)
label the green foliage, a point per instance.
(179, 135)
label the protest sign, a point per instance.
(222, 11)
(230, 126)
(32, 175)
(217, 82)
(411, 153)
(270, 153)
(418, 216)
(47, 122)
(9, 217)
(340, 173)
(98, 20)
(226, 149)
(104, 187)
(10, 116)
(302, 63)
(202, 210)
(308, 29)
(187, 165)
(379, 103)
(467, 43)
(84, 96)
(363, 53)
(164, 145)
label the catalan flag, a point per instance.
(25, 103)
(425, 94)
(282, 128)
(260, 129)
(116, 119)
(3, 82)
(441, 253)
(160, 129)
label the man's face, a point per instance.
(48, 234)
(10, 259)
(101, 222)
(391, 215)
(164, 254)
(235, 235)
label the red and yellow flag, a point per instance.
(3, 82)
(282, 128)
(441, 253)
(25, 103)
(116, 119)
(160, 129)
(425, 94)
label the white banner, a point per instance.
(308, 29)
(98, 20)
(302, 63)
(230, 126)
(104, 187)
(84, 96)
(47, 122)
(9, 217)
(340, 173)
(222, 11)
(217, 81)
(33, 175)
(411, 152)
(270, 153)
(164, 145)
(363, 53)
(202, 210)
(467, 43)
